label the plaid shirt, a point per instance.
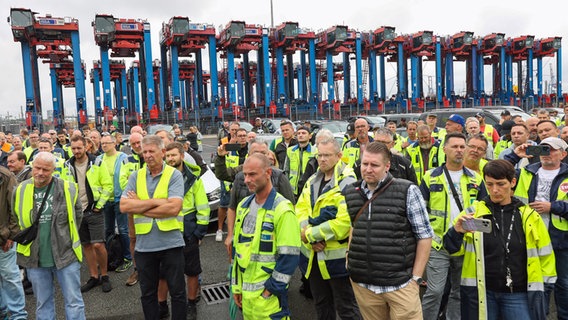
(419, 221)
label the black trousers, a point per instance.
(172, 263)
(333, 295)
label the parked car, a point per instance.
(273, 125)
(444, 114)
(396, 117)
(157, 127)
(246, 125)
(374, 121)
(212, 187)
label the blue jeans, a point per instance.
(561, 286)
(112, 214)
(69, 279)
(11, 285)
(438, 267)
(151, 265)
(507, 306)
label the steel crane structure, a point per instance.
(187, 79)
(56, 42)
(235, 40)
(329, 43)
(285, 40)
(548, 47)
(124, 38)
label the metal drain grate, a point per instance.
(216, 293)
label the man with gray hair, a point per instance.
(56, 251)
(325, 227)
(154, 196)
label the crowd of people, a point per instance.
(368, 221)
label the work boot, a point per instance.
(91, 283)
(191, 310)
(105, 282)
(164, 310)
(132, 279)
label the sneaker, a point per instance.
(164, 310)
(219, 236)
(191, 310)
(125, 266)
(105, 283)
(132, 279)
(91, 283)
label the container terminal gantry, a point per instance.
(124, 38)
(235, 40)
(285, 40)
(188, 82)
(56, 42)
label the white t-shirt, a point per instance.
(545, 178)
(455, 210)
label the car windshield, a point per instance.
(335, 126)
(157, 127)
(246, 125)
(377, 121)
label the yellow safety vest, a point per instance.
(294, 160)
(540, 256)
(415, 155)
(522, 192)
(24, 207)
(439, 204)
(143, 224)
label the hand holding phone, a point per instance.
(232, 147)
(477, 224)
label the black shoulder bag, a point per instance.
(29, 234)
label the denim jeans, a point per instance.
(437, 269)
(507, 306)
(69, 279)
(12, 297)
(114, 218)
(171, 262)
(561, 286)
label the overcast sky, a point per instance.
(443, 17)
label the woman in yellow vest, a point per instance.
(506, 267)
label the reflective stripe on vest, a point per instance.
(522, 192)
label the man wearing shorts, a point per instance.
(95, 185)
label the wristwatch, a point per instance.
(418, 279)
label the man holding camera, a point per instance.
(543, 186)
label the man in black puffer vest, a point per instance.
(390, 240)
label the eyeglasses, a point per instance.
(480, 149)
(325, 155)
(383, 141)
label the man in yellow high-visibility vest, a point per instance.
(154, 196)
(56, 250)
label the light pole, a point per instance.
(271, 15)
